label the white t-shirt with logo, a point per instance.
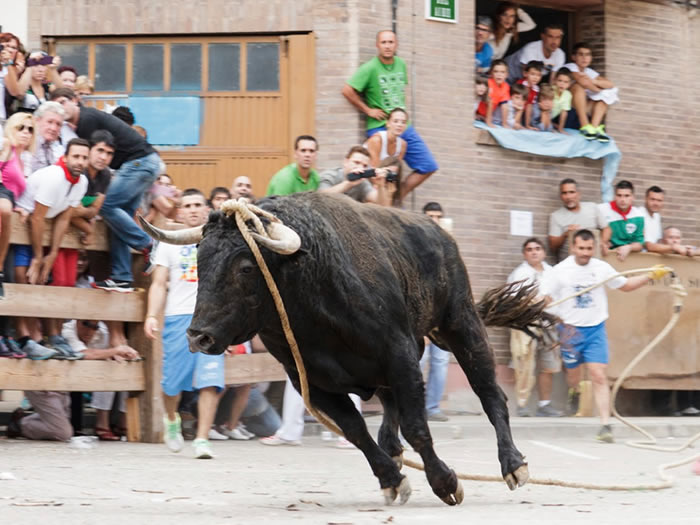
(50, 187)
(568, 277)
(181, 262)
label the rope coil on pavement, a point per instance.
(244, 212)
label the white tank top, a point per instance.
(383, 153)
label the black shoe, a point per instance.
(602, 137)
(13, 428)
(114, 286)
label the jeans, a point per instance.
(259, 417)
(437, 376)
(123, 198)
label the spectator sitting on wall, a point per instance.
(573, 216)
(592, 94)
(562, 97)
(51, 417)
(83, 87)
(242, 187)
(49, 118)
(52, 193)
(481, 94)
(509, 20)
(624, 230)
(546, 360)
(300, 175)
(68, 76)
(137, 165)
(542, 110)
(99, 176)
(388, 142)
(545, 50)
(218, 196)
(533, 75)
(484, 51)
(377, 87)
(38, 79)
(342, 180)
(672, 242)
(499, 94)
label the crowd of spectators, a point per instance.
(557, 94)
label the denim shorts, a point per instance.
(583, 344)
(7, 194)
(184, 371)
(418, 156)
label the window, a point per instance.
(182, 66)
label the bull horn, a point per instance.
(181, 237)
(282, 239)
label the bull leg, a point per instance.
(388, 437)
(468, 342)
(406, 382)
(339, 408)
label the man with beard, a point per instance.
(573, 216)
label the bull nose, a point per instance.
(199, 341)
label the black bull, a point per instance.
(367, 284)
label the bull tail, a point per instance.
(515, 305)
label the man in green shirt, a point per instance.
(298, 176)
(377, 87)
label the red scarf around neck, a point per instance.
(624, 214)
(69, 176)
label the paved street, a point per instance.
(120, 483)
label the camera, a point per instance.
(392, 177)
(44, 60)
(367, 174)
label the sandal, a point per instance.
(105, 434)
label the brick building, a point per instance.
(650, 49)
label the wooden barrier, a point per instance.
(140, 378)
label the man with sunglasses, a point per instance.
(52, 410)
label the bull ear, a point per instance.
(181, 237)
(282, 239)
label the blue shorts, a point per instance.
(23, 254)
(583, 344)
(183, 370)
(418, 156)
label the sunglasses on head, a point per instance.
(22, 127)
(90, 324)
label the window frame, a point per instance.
(204, 42)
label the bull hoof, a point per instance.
(518, 478)
(456, 498)
(399, 461)
(403, 491)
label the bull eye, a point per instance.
(246, 269)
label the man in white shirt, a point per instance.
(51, 193)
(570, 218)
(582, 334)
(653, 204)
(547, 363)
(545, 50)
(174, 292)
(592, 94)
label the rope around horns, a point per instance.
(244, 212)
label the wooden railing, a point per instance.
(140, 378)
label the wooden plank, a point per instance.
(133, 420)
(75, 376)
(485, 138)
(253, 368)
(20, 235)
(691, 382)
(57, 302)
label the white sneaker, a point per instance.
(173, 434)
(237, 435)
(275, 441)
(215, 435)
(344, 443)
(243, 430)
(202, 449)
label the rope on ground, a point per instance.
(244, 212)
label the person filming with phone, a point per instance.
(39, 78)
(356, 179)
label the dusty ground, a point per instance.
(125, 483)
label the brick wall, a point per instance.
(650, 51)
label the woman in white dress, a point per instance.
(508, 21)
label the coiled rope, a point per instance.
(247, 212)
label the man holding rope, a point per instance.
(582, 334)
